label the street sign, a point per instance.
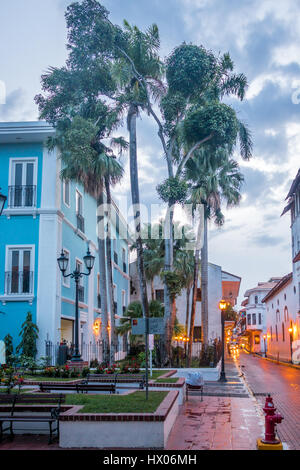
(156, 326)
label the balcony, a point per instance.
(80, 222)
(81, 293)
(21, 197)
(18, 282)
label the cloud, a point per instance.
(14, 108)
(266, 240)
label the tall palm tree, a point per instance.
(214, 178)
(138, 72)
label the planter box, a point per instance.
(119, 430)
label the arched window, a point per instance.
(286, 314)
(256, 299)
(283, 337)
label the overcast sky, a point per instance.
(263, 38)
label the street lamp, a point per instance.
(265, 351)
(2, 202)
(63, 261)
(222, 307)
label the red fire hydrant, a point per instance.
(271, 419)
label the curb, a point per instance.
(280, 363)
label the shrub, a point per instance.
(85, 371)
(94, 363)
(74, 373)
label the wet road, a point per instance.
(283, 383)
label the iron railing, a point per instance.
(21, 196)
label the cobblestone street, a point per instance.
(283, 383)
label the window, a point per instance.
(124, 260)
(66, 280)
(115, 248)
(66, 192)
(283, 337)
(256, 299)
(98, 292)
(79, 211)
(80, 286)
(249, 319)
(276, 330)
(256, 339)
(159, 295)
(22, 183)
(123, 301)
(197, 334)
(253, 318)
(19, 272)
(259, 318)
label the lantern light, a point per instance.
(89, 260)
(222, 305)
(63, 262)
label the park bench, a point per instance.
(14, 414)
(118, 378)
(79, 388)
(193, 388)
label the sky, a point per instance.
(262, 37)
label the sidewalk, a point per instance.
(223, 421)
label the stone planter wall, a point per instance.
(119, 430)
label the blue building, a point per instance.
(44, 215)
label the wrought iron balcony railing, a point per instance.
(21, 196)
(80, 222)
(18, 282)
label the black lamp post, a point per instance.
(2, 202)
(222, 307)
(76, 274)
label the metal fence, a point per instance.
(58, 354)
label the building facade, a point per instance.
(283, 301)
(252, 317)
(43, 216)
(220, 284)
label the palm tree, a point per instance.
(92, 168)
(138, 71)
(214, 177)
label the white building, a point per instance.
(283, 301)
(220, 285)
(254, 315)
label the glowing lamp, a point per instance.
(222, 305)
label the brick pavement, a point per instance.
(219, 422)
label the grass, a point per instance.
(170, 380)
(157, 373)
(43, 378)
(133, 403)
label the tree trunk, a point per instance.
(195, 286)
(152, 290)
(134, 181)
(103, 278)
(204, 286)
(168, 229)
(187, 315)
(110, 275)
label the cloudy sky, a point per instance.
(263, 38)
